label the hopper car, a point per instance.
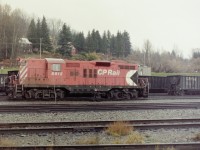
(174, 84)
(2, 82)
(157, 84)
(183, 85)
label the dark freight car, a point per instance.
(179, 85)
(157, 84)
(2, 82)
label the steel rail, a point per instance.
(92, 128)
(98, 123)
(176, 146)
(95, 107)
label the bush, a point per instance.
(197, 137)
(135, 138)
(119, 129)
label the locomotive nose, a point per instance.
(134, 77)
(131, 77)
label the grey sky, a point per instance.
(167, 24)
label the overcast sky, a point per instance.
(168, 24)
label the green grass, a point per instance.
(169, 74)
(5, 71)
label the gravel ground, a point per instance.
(100, 115)
(65, 138)
(68, 138)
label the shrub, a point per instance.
(135, 138)
(197, 137)
(119, 129)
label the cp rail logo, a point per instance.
(108, 72)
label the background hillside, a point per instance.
(25, 36)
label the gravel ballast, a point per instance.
(68, 138)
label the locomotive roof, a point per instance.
(54, 60)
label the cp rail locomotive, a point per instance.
(52, 78)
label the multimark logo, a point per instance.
(108, 72)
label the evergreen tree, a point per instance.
(126, 44)
(65, 41)
(31, 33)
(46, 42)
(93, 41)
(89, 43)
(119, 45)
(98, 42)
(79, 41)
(38, 34)
(109, 42)
(113, 45)
(104, 43)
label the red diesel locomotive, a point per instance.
(52, 78)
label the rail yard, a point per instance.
(60, 104)
(163, 121)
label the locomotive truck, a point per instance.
(52, 78)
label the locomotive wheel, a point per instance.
(135, 94)
(38, 94)
(52, 95)
(60, 94)
(118, 95)
(128, 96)
(27, 95)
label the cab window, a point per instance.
(56, 67)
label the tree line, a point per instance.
(55, 37)
(109, 44)
(13, 25)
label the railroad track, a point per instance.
(96, 126)
(177, 146)
(96, 107)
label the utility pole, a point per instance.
(40, 47)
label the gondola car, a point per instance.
(157, 84)
(183, 85)
(2, 82)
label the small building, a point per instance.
(144, 70)
(25, 45)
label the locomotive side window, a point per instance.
(85, 73)
(74, 73)
(90, 73)
(105, 64)
(132, 67)
(95, 73)
(126, 67)
(121, 66)
(56, 67)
